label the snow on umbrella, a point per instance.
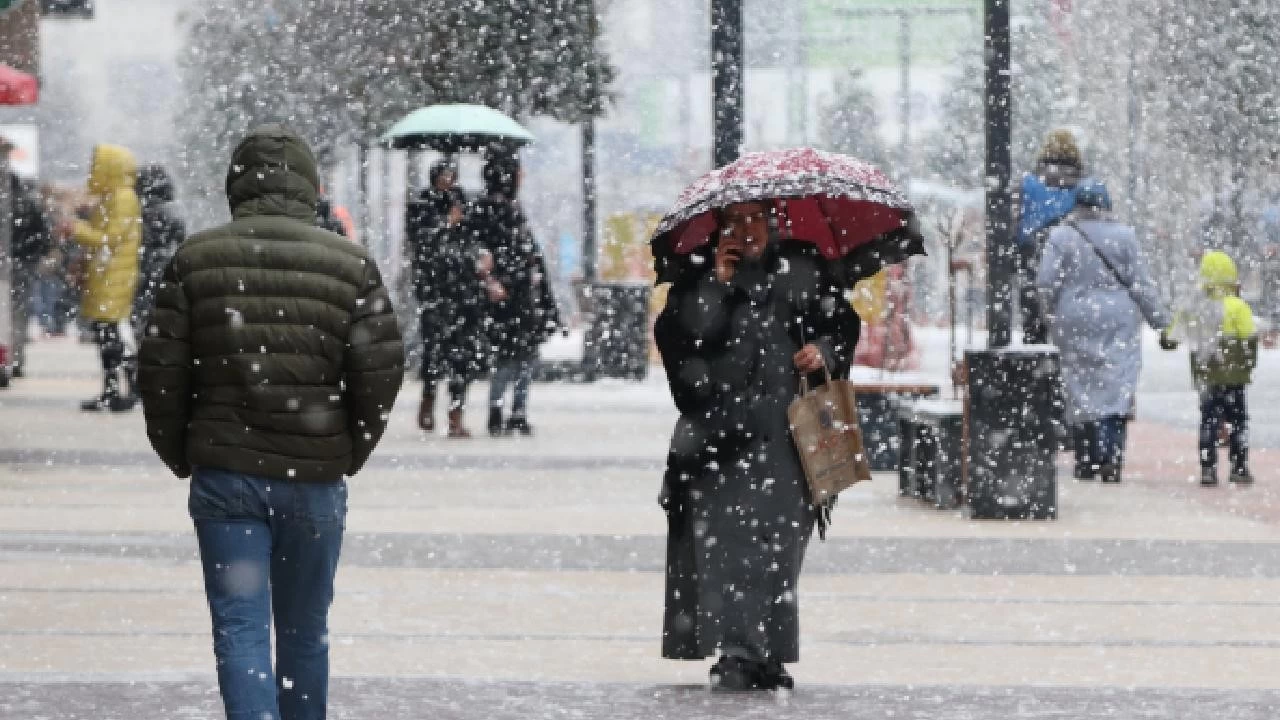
(456, 126)
(845, 207)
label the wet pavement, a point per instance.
(522, 578)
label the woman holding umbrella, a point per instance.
(753, 305)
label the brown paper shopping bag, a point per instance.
(824, 427)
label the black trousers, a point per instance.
(1219, 404)
(119, 351)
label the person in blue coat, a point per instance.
(1046, 196)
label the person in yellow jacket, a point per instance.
(1219, 330)
(111, 236)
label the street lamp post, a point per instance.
(727, 60)
(999, 126)
(590, 240)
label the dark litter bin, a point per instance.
(1014, 406)
(617, 339)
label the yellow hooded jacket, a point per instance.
(1219, 326)
(1219, 279)
(112, 236)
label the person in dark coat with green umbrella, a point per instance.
(448, 269)
(742, 322)
(521, 307)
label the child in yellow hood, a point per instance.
(1219, 330)
(111, 236)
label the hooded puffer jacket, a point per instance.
(111, 235)
(273, 348)
(1218, 326)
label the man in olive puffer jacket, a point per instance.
(268, 370)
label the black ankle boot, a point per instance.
(109, 397)
(519, 424)
(1109, 473)
(733, 673)
(776, 677)
(495, 422)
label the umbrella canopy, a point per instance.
(17, 88)
(452, 127)
(843, 206)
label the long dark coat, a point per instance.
(454, 341)
(738, 507)
(529, 315)
(162, 232)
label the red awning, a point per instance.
(17, 88)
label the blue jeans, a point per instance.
(507, 371)
(48, 305)
(269, 548)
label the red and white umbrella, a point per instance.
(843, 206)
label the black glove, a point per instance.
(1166, 342)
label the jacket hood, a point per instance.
(502, 176)
(113, 168)
(154, 184)
(1218, 271)
(1092, 193)
(273, 172)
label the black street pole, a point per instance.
(904, 102)
(727, 62)
(589, 250)
(999, 127)
(590, 261)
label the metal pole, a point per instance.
(7, 331)
(362, 194)
(590, 262)
(802, 61)
(999, 220)
(1132, 200)
(590, 241)
(904, 62)
(727, 62)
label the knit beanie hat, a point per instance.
(1060, 147)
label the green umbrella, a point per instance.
(453, 127)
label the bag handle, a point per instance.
(804, 377)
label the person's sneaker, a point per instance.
(495, 422)
(1109, 473)
(1241, 476)
(519, 425)
(1208, 477)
